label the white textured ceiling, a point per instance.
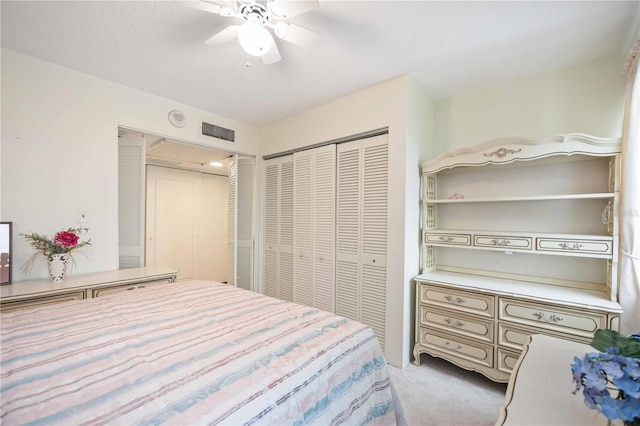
(449, 47)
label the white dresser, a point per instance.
(519, 237)
(27, 294)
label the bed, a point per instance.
(194, 352)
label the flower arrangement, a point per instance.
(63, 242)
(610, 379)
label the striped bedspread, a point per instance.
(194, 352)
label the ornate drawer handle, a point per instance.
(503, 242)
(553, 318)
(141, 286)
(457, 300)
(575, 246)
(455, 348)
(131, 288)
(452, 323)
(446, 239)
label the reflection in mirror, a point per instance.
(5, 252)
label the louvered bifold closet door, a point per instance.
(302, 228)
(324, 190)
(285, 230)
(314, 227)
(232, 230)
(131, 213)
(278, 237)
(348, 215)
(374, 235)
(361, 232)
(272, 178)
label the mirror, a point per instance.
(5, 253)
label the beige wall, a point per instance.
(587, 98)
(59, 152)
(402, 106)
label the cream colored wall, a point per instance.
(402, 106)
(587, 98)
(420, 146)
(59, 152)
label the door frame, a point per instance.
(254, 186)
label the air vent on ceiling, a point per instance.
(218, 132)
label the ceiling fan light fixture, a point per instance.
(263, 20)
(255, 39)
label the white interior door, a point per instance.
(186, 222)
(210, 253)
(245, 215)
(171, 199)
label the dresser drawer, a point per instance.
(554, 318)
(105, 291)
(512, 337)
(515, 337)
(575, 245)
(520, 243)
(36, 302)
(454, 345)
(445, 238)
(454, 322)
(463, 301)
(506, 360)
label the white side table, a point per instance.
(541, 385)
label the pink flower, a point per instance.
(66, 239)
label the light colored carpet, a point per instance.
(439, 393)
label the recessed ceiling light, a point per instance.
(216, 164)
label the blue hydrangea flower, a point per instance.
(610, 383)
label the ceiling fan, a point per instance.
(257, 16)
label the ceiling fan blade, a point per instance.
(297, 34)
(272, 56)
(224, 36)
(221, 7)
(284, 9)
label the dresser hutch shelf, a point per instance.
(519, 237)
